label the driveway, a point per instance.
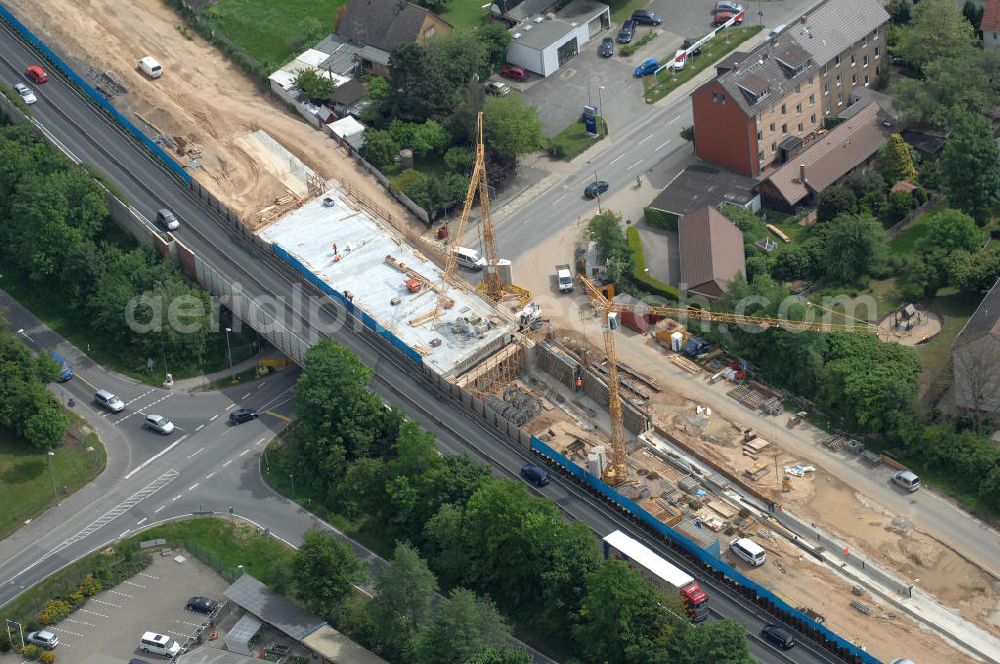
(663, 259)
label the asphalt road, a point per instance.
(182, 480)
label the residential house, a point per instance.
(379, 26)
(989, 28)
(759, 108)
(975, 355)
(711, 249)
(827, 159)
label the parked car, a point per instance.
(498, 88)
(107, 400)
(26, 94)
(678, 64)
(159, 424)
(777, 636)
(536, 475)
(647, 68)
(201, 605)
(514, 72)
(727, 6)
(646, 17)
(595, 189)
(607, 47)
(65, 371)
(776, 31)
(243, 415)
(723, 17)
(43, 639)
(627, 32)
(687, 44)
(159, 644)
(906, 479)
(167, 219)
(36, 74)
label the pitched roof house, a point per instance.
(975, 355)
(711, 250)
(989, 28)
(379, 26)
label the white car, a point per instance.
(26, 94)
(159, 424)
(676, 64)
(43, 639)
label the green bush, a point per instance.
(29, 651)
(664, 221)
(639, 274)
(47, 657)
(54, 611)
(629, 49)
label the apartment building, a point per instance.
(759, 109)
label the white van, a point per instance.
(748, 550)
(150, 67)
(906, 479)
(159, 644)
(469, 258)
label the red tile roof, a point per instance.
(991, 17)
(711, 249)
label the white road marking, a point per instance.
(137, 585)
(261, 384)
(227, 463)
(94, 613)
(177, 497)
(245, 395)
(199, 428)
(66, 631)
(259, 442)
(229, 407)
(645, 139)
(194, 486)
(149, 576)
(125, 532)
(142, 521)
(212, 419)
(621, 156)
(101, 601)
(674, 120)
(635, 164)
(661, 146)
(184, 622)
(80, 622)
(194, 454)
(156, 456)
(558, 199)
(118, 592)
(158, 509)
(210, 475)
(243, 453)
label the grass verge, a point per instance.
(221, 384)
(574, 140)
(26, 483)
(660, 85)
(622, 9)
(639, 273)
(465, 14)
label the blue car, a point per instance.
(648, 67)
(65, 371)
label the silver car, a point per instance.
(43, 639)
(159, 424)
(26, 94)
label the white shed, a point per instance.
(543, 43)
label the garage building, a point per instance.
(544, 42)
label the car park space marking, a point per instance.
(149, 576)
(243, 453)
(157, 456)
(210, 475)
(133, 583)
(94, 613)
(635, 164)
(101, 601)
(184, 622)
(661, 146)
(194, 486)
(109, 516)
(245, 396)
(646, 139)
(621, 156)
(227, 463)
(158, 509)
(142, 521)
(229, 408)
(194, 454)
(66, 631)
(212, 419)
(199, 428)
(79, 622)
(118, 592)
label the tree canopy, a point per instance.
(936, 30)
(325, 570)
(970, 166)
(511, 127)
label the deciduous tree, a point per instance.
(463, 626)
(970, 166)
(403, 604)
(313, 85)
(936, 31)
(325, 570)
(852, 247)
(511, 127)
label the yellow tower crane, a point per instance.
(616, 471)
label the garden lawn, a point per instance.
(660, 85)
(271, 30)
(906, 242)
(464, 14)
(574, 139)
(622, 9)
(26, 483)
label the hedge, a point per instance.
(639, 274)
(659, 219)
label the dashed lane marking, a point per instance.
(230, 407)
(101, 601)
(621, 156)
(142, 521)
(243, 453)
(79, 622)
(149, 576)
(246, 396)
(227, 463)
(118, 592)
(194, 454)
(158, 509)
(259, 442)
(199, 428)
(124, 533)
(94, 613)
(212, 419)
(661, 146)
(210, 475)
(177, 497)
(194, 486)
(137, 585)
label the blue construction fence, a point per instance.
(365, 319)
(57, 62)
(748, 587)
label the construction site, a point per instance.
(688, 437)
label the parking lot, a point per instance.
(108, 627)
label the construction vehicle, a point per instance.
(660, 571)
(564, 276)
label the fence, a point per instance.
(95, 96)
(901, 226)
(398, 195)
(712, 565)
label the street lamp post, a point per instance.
(55, 492)
(291, 476)
(600, 99)
(229, 354)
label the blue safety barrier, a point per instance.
(366, 320)
(96, 97)
(693, 549)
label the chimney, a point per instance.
(802, 173)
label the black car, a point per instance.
(646, 17)
(607, 47)
(687, 44)
(777, 636)
(201, 605)
(627, 32)
(595, 189)
(243, 415)
(536, 475)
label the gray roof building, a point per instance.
(254, 597)
(975, 356)
(701, 185)
(384, 24)
(836, 24)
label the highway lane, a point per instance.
(92, 138)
